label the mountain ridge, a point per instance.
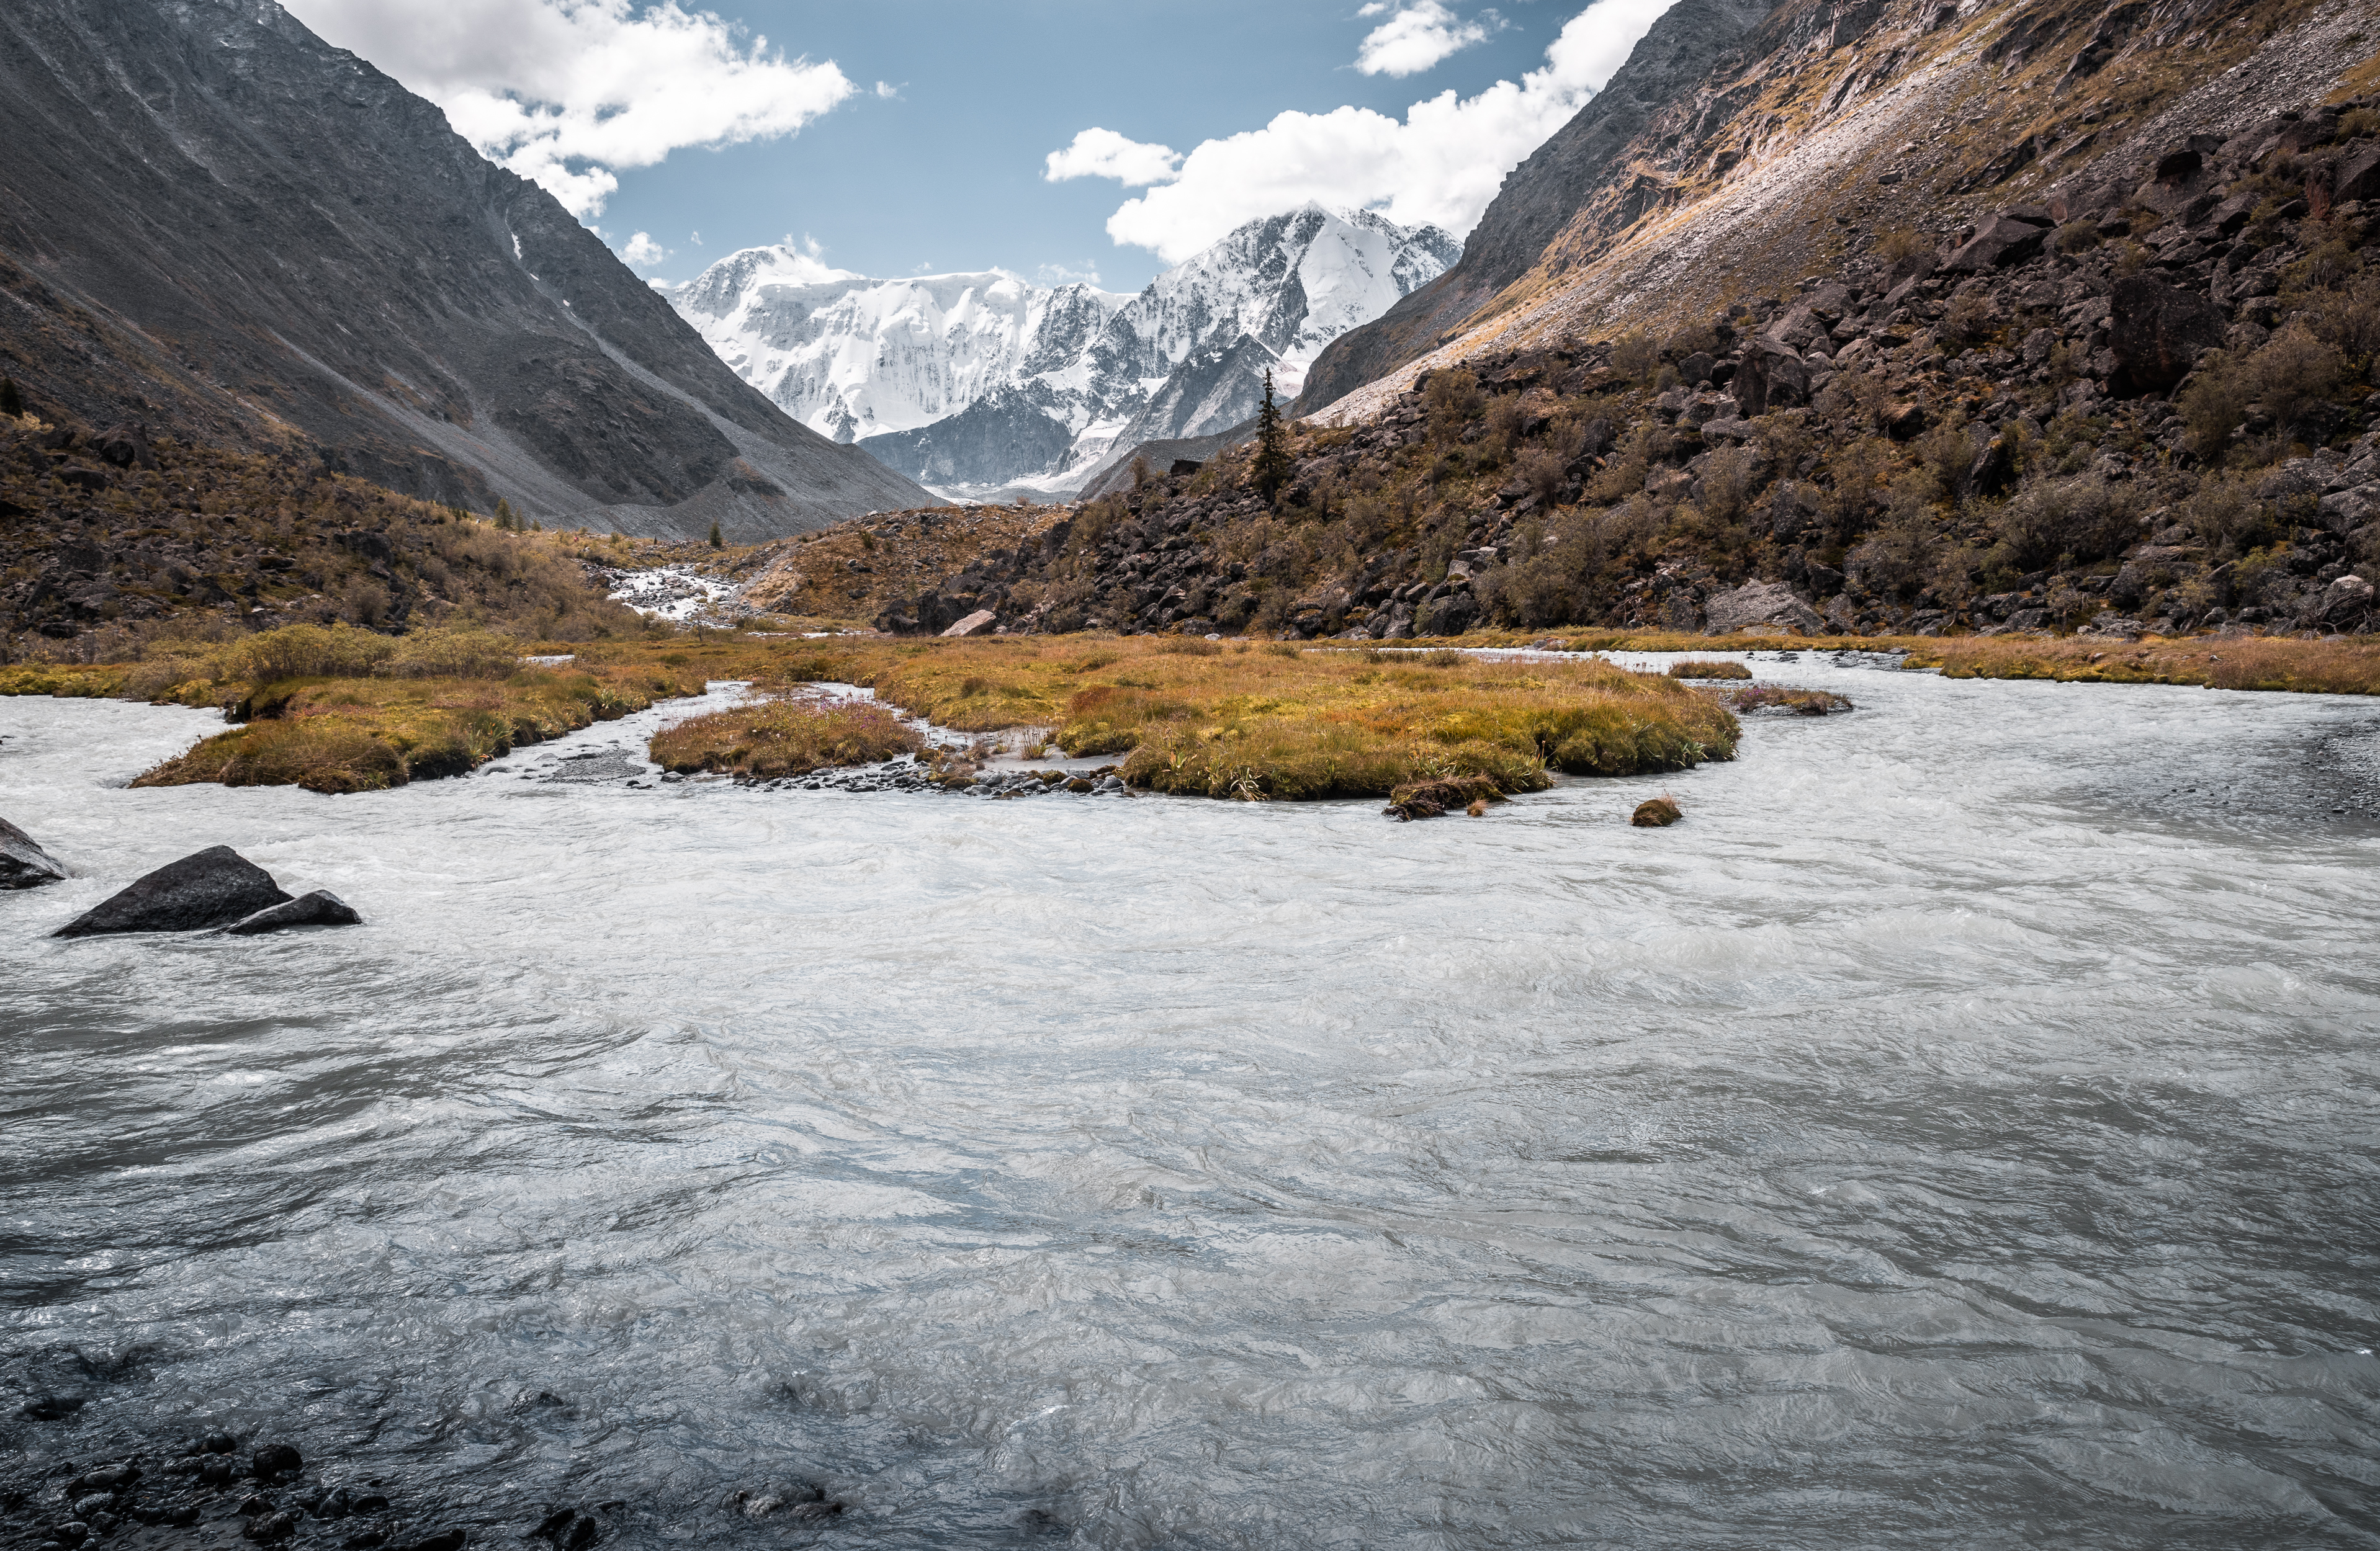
(217, 222)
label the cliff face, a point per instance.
(213, 221)
(1540, 195)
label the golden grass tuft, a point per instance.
(1706, 668)
(1754, 698)
(2341, 667)
(368, 734)
(785, 736)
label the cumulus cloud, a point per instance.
(1416, 36)
(1105, 154)
(1441, 163)
(565, 91)
(643, 252)
(1086, 273)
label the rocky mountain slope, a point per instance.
(112, 539)
(214, 222)
(2143, 403)
(1540, 198)
(1832, 124)
(976, 382)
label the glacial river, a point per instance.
(1959, 1132)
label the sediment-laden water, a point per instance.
(1960, 1130)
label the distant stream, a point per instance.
(1964, 1130)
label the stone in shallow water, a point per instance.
(23, 862)
(321, 908)
(211, 888)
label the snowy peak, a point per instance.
(861, 358)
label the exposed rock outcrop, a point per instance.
(213, 887)
(23, 862)
(321, 908)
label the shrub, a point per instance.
(2292, 372)
(1970, 320)
(2213, 403)
(2349, 321)
(2224, 512)
(1454, 396)
(1708, 668)
(2085, 517)
(2076, 237)
(306, 651)
(1634, 355)
(1726, 479)
(1944, 454)
(1506, 417)
(453, 654)
(1189, 646)
(1543, 473)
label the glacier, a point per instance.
(985, 385)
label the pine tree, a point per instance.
(506, 518)
(1270, 470)
(716, 542)
(11, 401)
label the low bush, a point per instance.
(1703, 668)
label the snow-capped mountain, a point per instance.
(851, 357)
(976, 381)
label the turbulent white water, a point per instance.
(1959, 1132)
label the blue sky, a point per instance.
(906, 136)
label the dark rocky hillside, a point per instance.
(2145, 407)
(110, 539)
(212, 221)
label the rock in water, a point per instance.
(212, 888)
(274, 1458)
(1656, 813)
(23, 862)
(321, 908)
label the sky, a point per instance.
(1057, 139)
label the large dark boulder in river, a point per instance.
(23, 862)
(321, 908)
(212, 888)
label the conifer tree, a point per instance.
(1270, 470)
(506, 518)
(716, 542)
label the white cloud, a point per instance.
(696, 239)
(643, 252)
(1441, 163)
(1105, 154)
(1067, 274)
(887, 91)
(564, 91)
(1416, 36)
